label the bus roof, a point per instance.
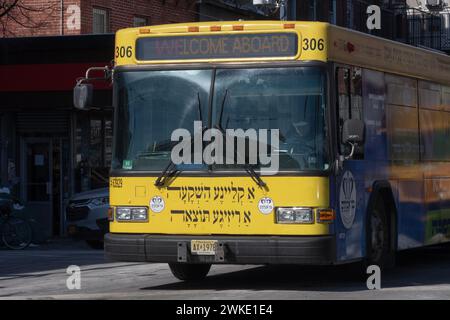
(317, 41)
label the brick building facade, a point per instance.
(50, 151)
(72, 17)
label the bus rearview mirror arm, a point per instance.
(339, 162)
(83, 90)
(352, 134)
(352, 150)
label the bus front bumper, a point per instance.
(304, 250)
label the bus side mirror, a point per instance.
(353, 134)
(82, 96)
(353, 131)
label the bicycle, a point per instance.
(16, 233)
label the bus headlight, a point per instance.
(295, 215)
(123, 214)
(139, 214)
(131, 214)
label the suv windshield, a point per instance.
(152, 104)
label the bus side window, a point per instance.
(349, 90)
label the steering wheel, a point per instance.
(302, 152)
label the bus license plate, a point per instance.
(203, 247)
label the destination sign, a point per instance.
(262, 45)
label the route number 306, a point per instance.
(313, 44)
(122, 52)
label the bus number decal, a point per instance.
(116, 183)
(122, 52)
(313, 44)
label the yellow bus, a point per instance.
(363, 149)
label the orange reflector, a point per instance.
(325, 215)
(215, 28)
(192, 29)
(111, 214)
(238, 28)
(144, 30)
(289, 25)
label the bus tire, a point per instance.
(379, 248)
(189, 272)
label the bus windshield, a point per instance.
(152, 104)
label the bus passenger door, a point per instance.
(349, 182)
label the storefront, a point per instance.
(48, 149)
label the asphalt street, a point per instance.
(40, 273)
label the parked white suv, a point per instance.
(87, 216)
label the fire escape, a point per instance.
(422, 23)
(429, 24)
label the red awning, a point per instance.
(45, 77)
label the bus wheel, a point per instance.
(378, 241)
(189, 272)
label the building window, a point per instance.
(100, 21)
(93, 150)
(349, 14)
(312, 12)
(140, 21)
(332, 11)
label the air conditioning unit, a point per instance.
(435, 5)
(417, 4)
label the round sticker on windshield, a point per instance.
(157, 204)
(265, 205)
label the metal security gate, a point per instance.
(43, 122)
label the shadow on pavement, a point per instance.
(418, 267)
(52, 255)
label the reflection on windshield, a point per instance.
(152, 104)
(288, 99)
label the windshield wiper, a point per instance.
(255, 176)
(221, 109)
(248, 168)
(171, 169)
(199, 107)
